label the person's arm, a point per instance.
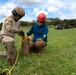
(9, 26)
(30, 32)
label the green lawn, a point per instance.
(59, 56)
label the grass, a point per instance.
(59, 56)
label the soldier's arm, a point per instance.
(9, 26)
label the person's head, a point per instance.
(18, 12)
(41, 18)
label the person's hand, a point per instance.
(39, 39)
(18, 30)
(21, 33)
(29, 38)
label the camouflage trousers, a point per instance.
(9, 45)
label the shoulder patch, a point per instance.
(8, 21)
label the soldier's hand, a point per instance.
(21, 33)
(18, 30)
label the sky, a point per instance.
(63, 9)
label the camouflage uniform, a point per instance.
(9, 28)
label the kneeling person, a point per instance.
(9, 28)
(40, 31)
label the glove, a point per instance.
(21, 33)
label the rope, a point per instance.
(24, 39)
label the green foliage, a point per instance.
(25, 23)
(59, 56)
(22, 23)
(51, 22)
(0, 26)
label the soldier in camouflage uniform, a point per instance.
(9, 28)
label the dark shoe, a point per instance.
(4, 73)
